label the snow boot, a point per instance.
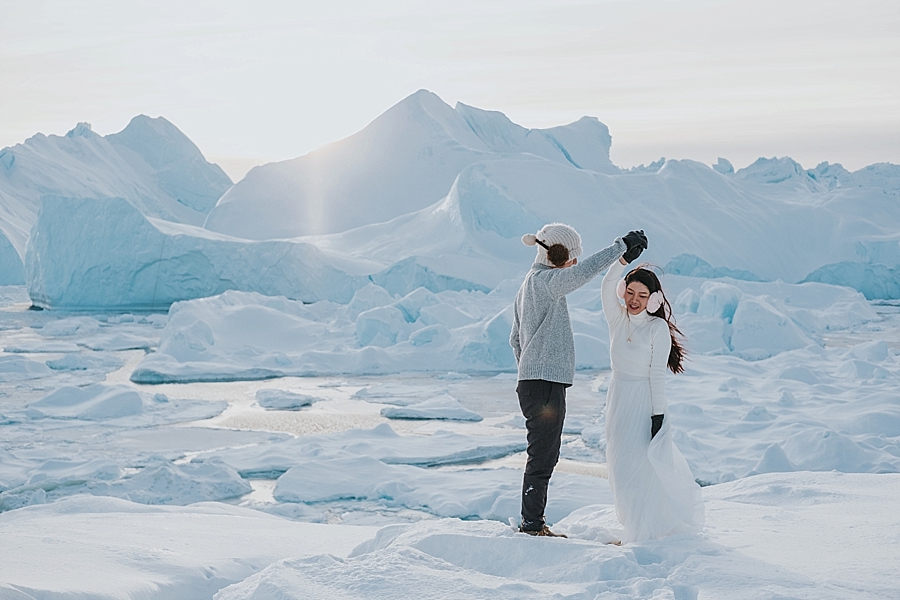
(543, 532)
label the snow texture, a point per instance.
(85, 467)
(806, 551)
(86, 547)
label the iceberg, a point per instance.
(427, 196)
(694, 217)
(150, 163)
(405, 160)
(875, 281)
(103, 254)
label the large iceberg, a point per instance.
(150, 163)
(686, 208)
(403, 161)
(89, 254)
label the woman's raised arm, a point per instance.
(611, 307)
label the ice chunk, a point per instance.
(113, 342)
(445, 315)
(861, 370)
(443, 407)
(412, 304)
(93, 403)
(688, 301)
(167, 483)
(694, 266)
(773, 461)
(874, 351)
(409, 274)
(12, 269)
(719, 300)
(873, 280)
(820, 449)
(433, 336)
(399, 394)
(41, 346)
(382, 326)
(759, 330)
(724, 166)
(70, 327)
(283, 399)
(20, 368)
(493, 347)
(784, 171)
(159, 482)
(799, 373)
(591, 352)
(758, 413)
(237, 336)
(82, 362)
(366, 298)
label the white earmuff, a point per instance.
(620, 289)
(654, 302)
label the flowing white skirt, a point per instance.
(652, 484)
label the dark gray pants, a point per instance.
(544, 405)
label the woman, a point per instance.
(654, 490)
(544, 347)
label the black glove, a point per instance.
(655, 425)
(635, 242)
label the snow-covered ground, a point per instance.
(400, 485)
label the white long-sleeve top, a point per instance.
(639, 345)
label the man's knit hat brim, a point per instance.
(554, 233)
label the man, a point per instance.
(544, 347)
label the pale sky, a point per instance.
(253, 82)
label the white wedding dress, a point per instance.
(652, 484)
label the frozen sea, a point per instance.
(402, 485)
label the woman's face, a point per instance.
(636, 296)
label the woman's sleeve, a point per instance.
(611, 307)
(562, 282)
(660, 345)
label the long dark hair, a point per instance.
(643, 275)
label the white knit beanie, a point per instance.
(554, 233)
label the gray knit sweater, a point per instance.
(541, 335)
